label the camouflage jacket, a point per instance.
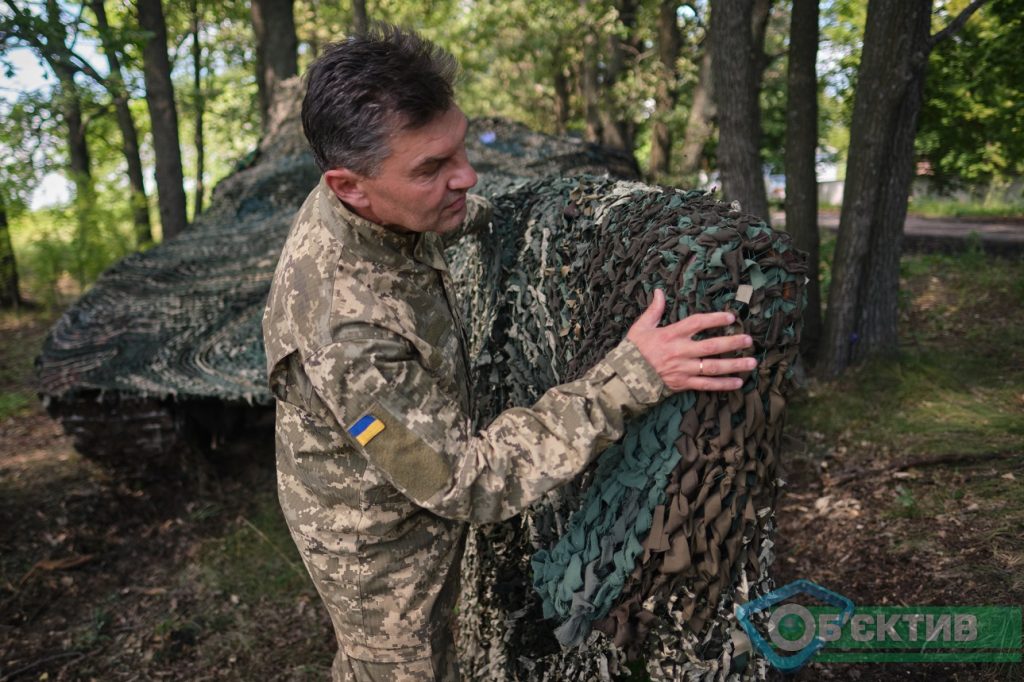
(378, 468)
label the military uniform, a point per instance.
(378, 469)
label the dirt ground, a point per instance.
(102, 579)
(839, 529)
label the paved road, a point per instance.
(1004, 236)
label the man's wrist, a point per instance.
(639, 376)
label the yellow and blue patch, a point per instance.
(366, 428)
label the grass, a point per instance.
(956, 386)
(24, 331)
(249, 588)
(14, 403)
(257, 560)
(942, 207)
(945, 207)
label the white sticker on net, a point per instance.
(744, 292)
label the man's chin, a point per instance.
(453, 223)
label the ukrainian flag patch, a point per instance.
(366, 428)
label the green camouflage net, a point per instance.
(674, 523)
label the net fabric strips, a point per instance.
(648, 552)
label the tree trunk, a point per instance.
(561, 83)
(360, 20)
(163, 116)
(879, 325)
(669, 41)
(590, 89)
(736, 65)
(618, 131)
(273, 22)
(699, 124)
(801, 145)
(78, 167)
(9, 294)
(129, 135)
(758, 28)
(863, 298)
(200, 103)
(71, 110)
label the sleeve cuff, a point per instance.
(636, 373)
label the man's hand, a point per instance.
(685, 364)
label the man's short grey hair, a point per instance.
(366, 87)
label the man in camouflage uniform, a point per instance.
(378, 470)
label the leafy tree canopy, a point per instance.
(972, 123)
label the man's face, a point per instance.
(422, 185)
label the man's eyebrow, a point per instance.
(422, 163)
(432, 160)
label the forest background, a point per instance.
(141, 107)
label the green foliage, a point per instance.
(56, 248)
(27, 142)
(971, 129)
(228, 93)
(842, 31)
(773, 88)
(21, 334)
(520, 46)
(514, 53)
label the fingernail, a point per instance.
(750, 341)
(732, 318)
(752, 363)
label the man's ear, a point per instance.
(347, 186)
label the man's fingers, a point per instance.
(720, 344)
(704, 383)
(714, 384)
(650, 317)
(698, 322)
(711, 367)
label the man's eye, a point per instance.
(432, 169)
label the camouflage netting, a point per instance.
(168, 342)
(674, 523)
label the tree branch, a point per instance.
(85, 67)
(955, 25)
(76, 26)
(52, 51)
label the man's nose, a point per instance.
(464, 177)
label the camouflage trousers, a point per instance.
(439, 665)
(433, 660)
(366, 624)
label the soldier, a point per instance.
(378, 469)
